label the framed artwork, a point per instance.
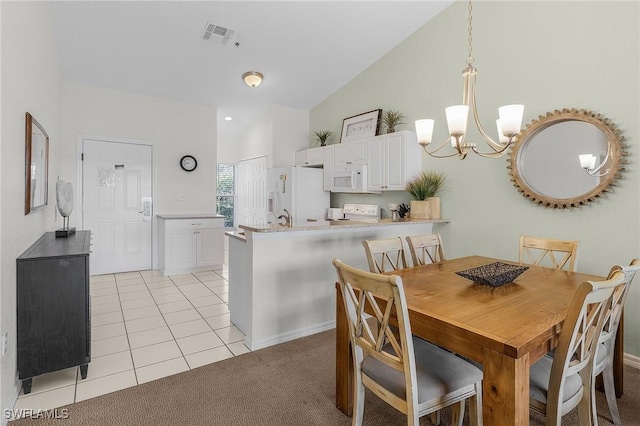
(361, 126)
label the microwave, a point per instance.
(350, 179)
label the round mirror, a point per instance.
(566, 158)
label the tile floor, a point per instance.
(145, 326)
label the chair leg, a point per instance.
(413, 419)
(435, 417)
(584, 408)
(358, 400)
(457, 413)
(610, 393)
(475, 407)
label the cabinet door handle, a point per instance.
(194, 224)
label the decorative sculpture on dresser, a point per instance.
(64, 199)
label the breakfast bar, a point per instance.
(281, 280)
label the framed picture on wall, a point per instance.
(361, 126)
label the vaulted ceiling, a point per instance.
(306, 50)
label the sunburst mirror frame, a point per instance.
(615, 163)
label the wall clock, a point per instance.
(188, 163)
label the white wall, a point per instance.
(546, 55)
(277, 134)
(30, 83)
(175, 129)
(290, 134)
(257, 140)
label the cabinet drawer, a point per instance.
(181, 224)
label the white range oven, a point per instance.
(362, 212)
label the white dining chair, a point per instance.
(563, 382)
(408, 373)
(605, 352)
(558, 254)
(385, 255)
(426, 249)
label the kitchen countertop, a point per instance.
(237, 235)
(336, 224)
(190, 216)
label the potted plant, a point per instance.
(423, 189)
(392, 118)
(322, 136)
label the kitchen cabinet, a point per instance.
(394, 158)
(328, 162)
(53, 310)
(190, 243)
(355, 152)
(311, 157)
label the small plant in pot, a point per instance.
(392, 118)
(423, 189)
(322, 136)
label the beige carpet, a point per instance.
(289, 384)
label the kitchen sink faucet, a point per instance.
(288, 219)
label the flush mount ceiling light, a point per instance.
(227, 118)
(252, 78)
(508, 124)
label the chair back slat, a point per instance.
(617, 301)
(385, 255)
(361, 287)
(426, 249)
(558, 254)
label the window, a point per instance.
(225, 192)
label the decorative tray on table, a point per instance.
(494, 274)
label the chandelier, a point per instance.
(508, 124)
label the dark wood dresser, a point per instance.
(54, 318)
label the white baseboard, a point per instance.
(281, 338)
(632, 361)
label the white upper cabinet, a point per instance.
(355, 152)
(329, 162)
(311, 157)
(394, 158)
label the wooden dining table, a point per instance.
(506, 328)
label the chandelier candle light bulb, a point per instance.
(510, 119)
(424, 131)
(457, 117)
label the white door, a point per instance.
(117, 205)
(251, 192)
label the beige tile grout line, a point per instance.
(135, 374)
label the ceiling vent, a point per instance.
(213, 32)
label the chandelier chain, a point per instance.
(470, 58)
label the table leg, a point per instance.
(344, 359)
(505, 396)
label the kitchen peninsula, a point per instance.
(282, 282)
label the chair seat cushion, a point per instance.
(438, 372)
(539, 381)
